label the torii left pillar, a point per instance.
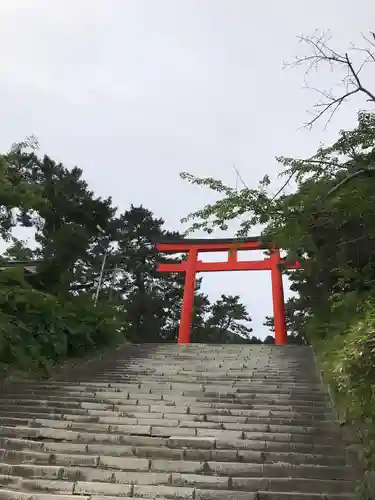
(188, 299)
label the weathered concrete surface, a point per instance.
(203, 422)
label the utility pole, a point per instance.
(113, 282)
(100, 279)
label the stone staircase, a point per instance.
(203, 422)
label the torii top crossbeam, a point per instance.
(212, 244)
(193, 247)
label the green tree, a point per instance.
(328, 223)
(333, 234)
(18, 195)
(295, 322)
(227, 321)
(202, 306)
(19, 251)
(151, 299)
(64, 213)
(270, 339)
(255, 340)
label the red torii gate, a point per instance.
(192, 265)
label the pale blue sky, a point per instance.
(135, 91)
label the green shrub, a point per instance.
(38, 329)
(348, 364)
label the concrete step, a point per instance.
(54, 440)
(232, 390)
(95, 432)
(12, 495)
(63, 454)
(99, 467)
(214, 412)
(28, 413)
(64, 481)
(247, 392)
(180, 406)
(171, 421)
(260, 404)
(120, 434)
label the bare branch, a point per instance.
(321, 52)
(358, 81)
(330, 107)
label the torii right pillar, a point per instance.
(281, 336)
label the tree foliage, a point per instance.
(328, 223)
(96, 281)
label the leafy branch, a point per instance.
(233, 205)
